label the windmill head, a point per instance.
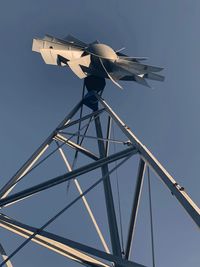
(95, 60)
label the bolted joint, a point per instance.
(179, 187)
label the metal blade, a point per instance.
(73, 40)
(141, 80)
(144, 67)
(121, 49)
(75, 65)
(70, 42)
(109, 75)
(95, 42)
(124, 56)
(153, 76)
(134, 76)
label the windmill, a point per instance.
(95, 59)
(94, 63)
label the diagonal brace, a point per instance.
(68, 176)
(72, 248)
(81, 149)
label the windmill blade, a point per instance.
(126, 74)
(71, 39)
(153, 76)
(75, 65)
(121, 49)
(83, 61)
(128, 58)
(133, 59)
(95, 42)
(53, 39)
(141, 81)
(146, 68)
(137, 66)
(48, 37)
(109, 75)
(74, 43)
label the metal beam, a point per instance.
(68, 176)
(61, 244)
(95, 113)
(136, 200)
(107, 140)
(85, 202)
(112, 221)
(28, 164)
(177, 190)
(81, 149)
(108, 134)
(48, 242)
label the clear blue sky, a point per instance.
(35, 97)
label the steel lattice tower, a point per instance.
(62, 137)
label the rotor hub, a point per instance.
(102, 51)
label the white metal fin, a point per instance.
(121, 49)
(141, 80)
(75, 65)
(146, 68)
(109, 75)
(48, 57)
(77, 70)
(153, 76)
(71, 39)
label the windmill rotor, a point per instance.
(95, 59)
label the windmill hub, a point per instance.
(102, 51)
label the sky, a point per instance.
(35, 97)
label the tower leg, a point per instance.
(114, 234)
